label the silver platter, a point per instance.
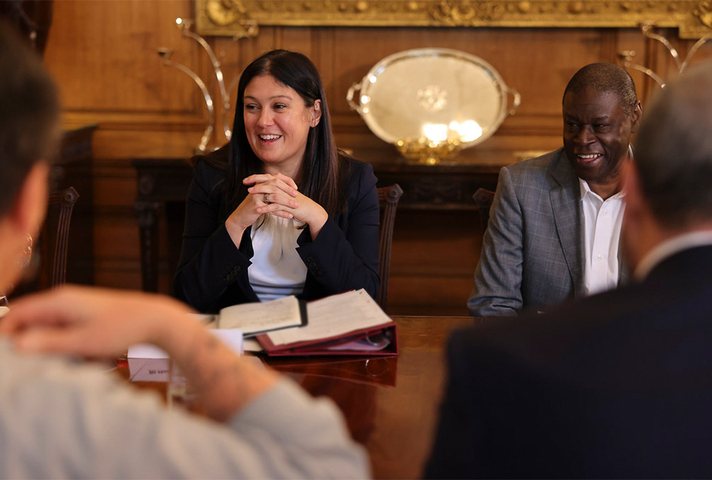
(435, 94)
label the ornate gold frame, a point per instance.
(242, 17)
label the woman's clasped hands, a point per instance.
(274, 194)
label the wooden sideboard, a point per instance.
(445, 186)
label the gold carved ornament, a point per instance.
(241, 17)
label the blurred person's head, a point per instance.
(669, 184)
(600, 112)
(29, 130)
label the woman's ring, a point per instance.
(265, 198)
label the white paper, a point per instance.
(145, 350)
(261, 316)
(232, 338)
(149, 369)
(252, 345)
(334, 316)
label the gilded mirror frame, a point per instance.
(242, 18)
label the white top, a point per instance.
(669, 248)
(602, 233)
(277, 270)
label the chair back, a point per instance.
(388, 198)
(59, 216)
(483, 198)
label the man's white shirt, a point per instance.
(602, 233)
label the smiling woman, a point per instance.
(277, 123)
(278, 211)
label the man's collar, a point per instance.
(585, 189)
(670, 247)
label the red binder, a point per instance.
(365, 341)
(349, 323)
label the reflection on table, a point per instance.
(390, 403)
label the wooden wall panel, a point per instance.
(527, 59)
(433, 261)
(103, 55)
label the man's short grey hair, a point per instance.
(673, 153)
(606, 77)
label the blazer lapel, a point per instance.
(566, 205)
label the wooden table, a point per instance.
(390, 404)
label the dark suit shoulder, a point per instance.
(358, 169)
(359, 178)
(209, 177)
(595, 388)
(529, 338)
(491, 335)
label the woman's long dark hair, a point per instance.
(322, 170)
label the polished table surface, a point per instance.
(390, 403)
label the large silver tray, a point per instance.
(435, 95)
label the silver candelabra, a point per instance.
(626, 56)
(185, 26)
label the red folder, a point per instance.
(357, 342)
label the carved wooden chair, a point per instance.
(388, 198)
(59, 216)
(483, 198)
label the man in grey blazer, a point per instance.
(555, 221)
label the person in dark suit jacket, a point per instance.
(555, 222)
(279, 211)
(618, 384)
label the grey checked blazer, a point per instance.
(532, 252)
